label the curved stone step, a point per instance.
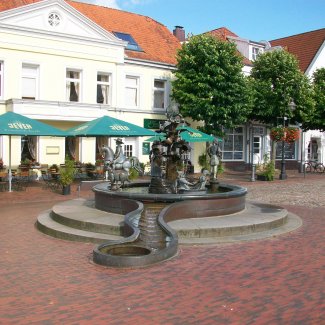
(257, 217)
(256, 221)
(52, 228)
(81, 214)
(293, 223)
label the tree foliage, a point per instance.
(209, 84)
(318, 119)
(276, 80)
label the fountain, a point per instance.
(169, 195)
(141, 223)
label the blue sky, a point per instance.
(252, 19)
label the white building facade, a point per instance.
(60, 67)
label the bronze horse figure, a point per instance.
(120, 162)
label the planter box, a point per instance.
(261, 178)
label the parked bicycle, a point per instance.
(314, 166)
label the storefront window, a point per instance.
(289, 150)
(233, 144)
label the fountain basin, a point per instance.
(230, 199)
(148, 242)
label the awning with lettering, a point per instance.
(110, 127)
(15, 124)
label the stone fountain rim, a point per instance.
(235, 191)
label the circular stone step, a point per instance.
(78, 220)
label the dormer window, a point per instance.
(54, 19)
(256, 51)
(132, 44)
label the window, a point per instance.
(29, 81)
(29, 148)
(129, 147)
(289, 150)
(233, 144)
(159, 93)
(103, 88)
(132, 91)
(73, 85)
(132, 44)
(54, 19)
(255, 53)
(128, 150)
(1, 79)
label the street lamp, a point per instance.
(283, 174)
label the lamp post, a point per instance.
(251, 128)
(283, 174)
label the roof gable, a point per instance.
(158, 44)
(222, 33)
(304, 46)
(156, 41)
(225, 34)
(56, 16)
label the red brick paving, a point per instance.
(44, 280)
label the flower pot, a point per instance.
(66, 190)
(261, 178)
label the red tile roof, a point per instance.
(223, 33)
(156, 41)
(304, 46)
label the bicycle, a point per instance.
(314, 166)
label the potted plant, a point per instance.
(54, 168)
(204, 162)
(90, 168)
(67, 173)
(266, 170)
(133, 174)
(1, 164)
(287, 134)
(25, 164)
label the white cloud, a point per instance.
(104, 3)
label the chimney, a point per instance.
(179, 33)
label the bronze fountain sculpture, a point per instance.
(169, 195)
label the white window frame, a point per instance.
(77, 81)
(107, 84)
(160, 90)
(256, 51)
(130, 142)
(1, 78)
(30, 72)
(232, 134)
(136, 88)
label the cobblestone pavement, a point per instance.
(306, 191)
(281, 280)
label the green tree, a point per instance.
(276, 80)
(318, 119)
(209, 84)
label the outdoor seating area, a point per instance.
(22, 177)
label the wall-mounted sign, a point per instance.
(52, 150)
(146, 148)
(152, 123)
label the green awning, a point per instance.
(157, 137)
(15, 124)
(188, 134)
(192, 135)
(109, 126)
